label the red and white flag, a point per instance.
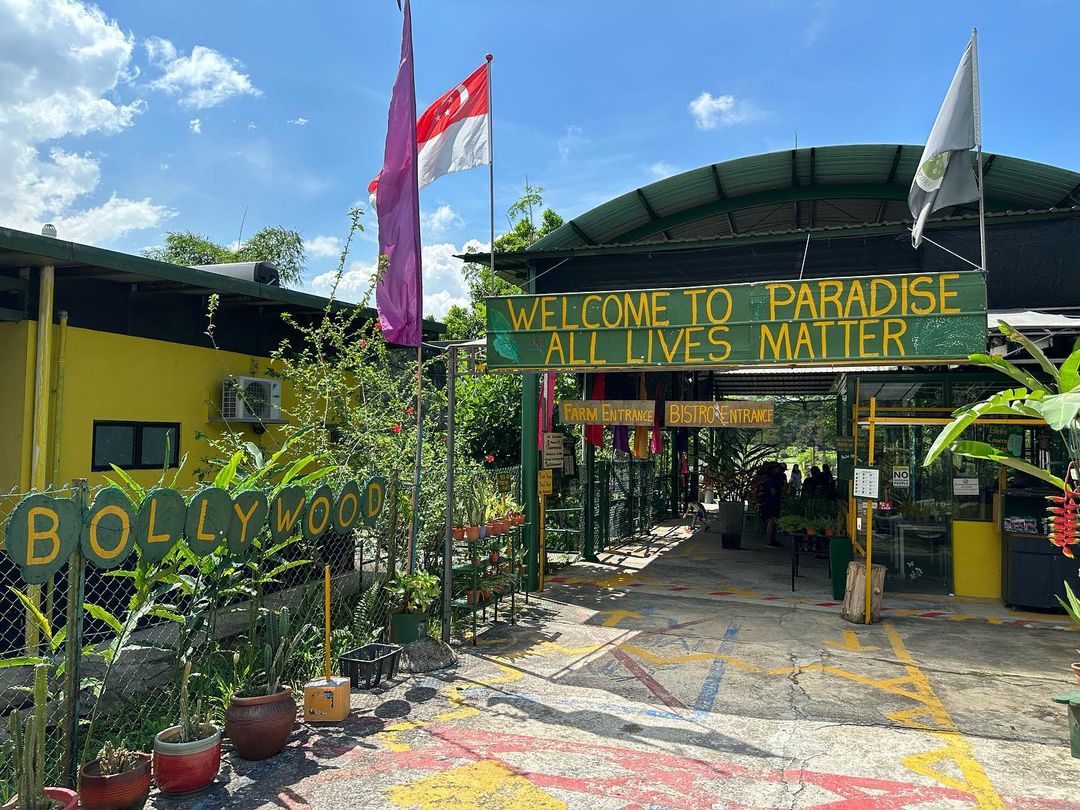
(453, 133)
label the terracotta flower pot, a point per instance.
(181, 767)
(492, 530)
(494, 556)
(1076, 671)
(458, 533)
(471, 596)
(121, 791)
(260, 726)
(472, 532)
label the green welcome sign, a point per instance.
(867, 319)
(43, 532)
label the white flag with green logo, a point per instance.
(945, 175)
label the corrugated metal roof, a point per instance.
(809, 188)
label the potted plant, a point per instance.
(28, 756)
(1071, 603)
(261, 716)
(117, 779)
(187, 757)
(473, 502)
(413, 595)
(732, 471)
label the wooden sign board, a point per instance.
(721, 414)
(638, 412)
(544, 482)
(889, 319)
(503, 482)
(552, 451)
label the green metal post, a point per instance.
(530, 394)
(590, 503)
(605, 504)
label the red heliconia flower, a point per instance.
(410, 411)
(1064, 520)
(396, 428)
(377, 326)
(490, 459)
(363, 344)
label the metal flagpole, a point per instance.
(491, 176)
(977, 118)
(414, 529)
(448, 537)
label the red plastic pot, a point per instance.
(260, 726)
(121, 791)
(68, 799)
(472, 532)
(458, 533)
(186, 767)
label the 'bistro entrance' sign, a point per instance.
(43, 532)
(721, 414)
(915, 317)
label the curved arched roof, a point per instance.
(798, 190)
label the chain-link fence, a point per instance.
(140, 620)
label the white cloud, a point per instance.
(440, 220)
(444, 284)
(203, 79)
(326, 247)
(822, 10)
(571, 140)
(64, 68)
(299, 121)
(252, 125)
(661, 169)
(195, 125)
(163, 166)
(112, 219)
(712, 112)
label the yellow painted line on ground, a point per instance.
(850, 643)
(487, 783)
(616, 616)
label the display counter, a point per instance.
(1033, 570)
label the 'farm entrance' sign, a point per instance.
(43, 532)
(867, 319)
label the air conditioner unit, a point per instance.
(251, 399)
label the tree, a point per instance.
(488, 407)
(281, 247)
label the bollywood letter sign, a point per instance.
(42, 532)
(927, 317)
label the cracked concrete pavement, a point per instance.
(611, 694)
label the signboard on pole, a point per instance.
(543, 482)
(721, 414)
(866, 319)
(638, 412)
(503, 482)
(867, 483)
(552, 451)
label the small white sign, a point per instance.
(867, 483)
(965, 486)
(901, 477)
(553, 451)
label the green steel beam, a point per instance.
(530, 396)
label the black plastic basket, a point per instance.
(366, 666)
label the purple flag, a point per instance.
(399, 293)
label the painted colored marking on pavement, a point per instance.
(647, 680)
(707, 696)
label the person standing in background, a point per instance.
(795, 480)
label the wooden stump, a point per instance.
(855, 592)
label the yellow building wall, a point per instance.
(17, 342)
(976, 558)
(118, 377)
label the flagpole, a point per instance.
(491, 177)
(977, 118)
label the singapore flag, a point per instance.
(453, 134)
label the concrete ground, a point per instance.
(691, 677)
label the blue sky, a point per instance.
(123, 121)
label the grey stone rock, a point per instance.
(426, 655)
